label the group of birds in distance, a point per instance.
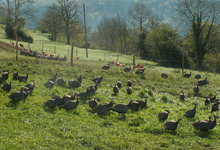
(71, 102)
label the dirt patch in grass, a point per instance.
(4, 46)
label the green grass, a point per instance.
(30, 125)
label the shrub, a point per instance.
(164, 98)
(24, 36)
(9, 31)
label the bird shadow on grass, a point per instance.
(204, 134)
(12, 104)
(160, 131)
(50, 110)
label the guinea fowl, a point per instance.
(2, 79)
(191, 112)
(163, 115)
(143, 103)
(212, 98)
(74, 84)
(7, 86)
(115, 89)
(129, 83)
(26, 94)
(60, 81)
(207, 101)
(182, 96)
(99, 79)
(121, 108)
(84, 95)
(30, 86)
(202, 81)
(71, 104)
(214, 107)
(164, 75)
(187, 75)
(66, 97)
(198, 76)
(60, 100)
(119, 84)
(54, 78)
(6, 75)
(171, 125)
(127, 69)
(106, 67)
(104, 107)
(23, 78)
(196, 88)
(93, 103)
(79, 79)
(140, 71)
(135, 105)
(51, 103)
(129, 90)
(213, 123)
(203, 125)
(49, 84)
(93, 88)
(17, 96)
(15, 75)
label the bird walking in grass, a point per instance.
(191, 112)
(171, 125)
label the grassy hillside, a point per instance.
(30, 125)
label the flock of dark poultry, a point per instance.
(69, 102)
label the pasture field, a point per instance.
(31, 125)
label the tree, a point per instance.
(52, 21)
(167, 41)
(140, 14)
(68, 10)
(201, 18)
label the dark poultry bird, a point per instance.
(203, 125)
(71, 104)
(26, 94)
(191, 112)
(61, 81)
(93, 88)
(74, 84)
(54, 78)
(163, 115)
(84, 95)
(31, 86)
(23, 78)
(7, 86)
(213, 123)
(119, 84)
(6, 74)
(79, 79)
(93, 103)
(26, 89)
(182, 96)
(196, 88)
(66, 97)
(104, 107)
(15, 75)
(198, 76)
(135, 105)
(60, 100)
(207, 101)
(171, 125)
(164, 75)
(17, 96)
(187, 75)
(202, 81)
(129, 90)
(115, 89)
(51, 103)
(140, 71)
(2, 79)
(212, 98)
(106, 67)
(99, 79)
(127, 69)
(49, 84)
(214, 107)
(143, 103)
(121, 108)
(129, 83)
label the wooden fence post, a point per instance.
(28, 45)
(183, 60)
(54, 49)
(42, 47)
(133, 61)
(72, 54)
